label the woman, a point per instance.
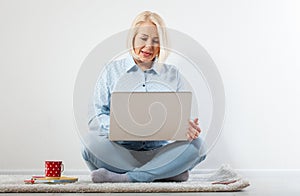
(144, 71)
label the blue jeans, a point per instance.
(142, 166)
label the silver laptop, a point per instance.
(140, 116)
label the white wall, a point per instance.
(255, 45)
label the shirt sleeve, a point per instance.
(99, 108)
(181, 84)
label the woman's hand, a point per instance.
(193, 130)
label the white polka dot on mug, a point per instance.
(53, 168)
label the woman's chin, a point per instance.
(146, 60)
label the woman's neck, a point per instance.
(144, 65)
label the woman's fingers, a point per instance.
(194, 126)
(192, 133)
(196, 121)
(193, 130)
(190, 136)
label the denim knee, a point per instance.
(84, 154)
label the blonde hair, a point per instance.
(154, 18)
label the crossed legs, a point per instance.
(111, 162)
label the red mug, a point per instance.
(53, 168)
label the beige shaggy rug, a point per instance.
(222, 179)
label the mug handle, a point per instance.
(62, 168)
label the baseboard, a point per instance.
(268, 172)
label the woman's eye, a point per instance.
(144, 38)
(156, 41)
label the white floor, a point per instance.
(286, 183)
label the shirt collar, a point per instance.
(132, 66)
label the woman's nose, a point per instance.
(148, 43)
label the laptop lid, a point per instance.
(140, 116)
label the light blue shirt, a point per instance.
(126, 76)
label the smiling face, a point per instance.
(146, 43)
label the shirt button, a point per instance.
(144, 85)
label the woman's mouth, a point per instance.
(146, 54)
